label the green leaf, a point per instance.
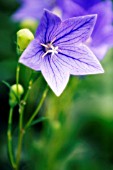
(7, 84)
(39, 120)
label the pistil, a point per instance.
(49, 48)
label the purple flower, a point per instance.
(101, 39)
(32, 9)
(86, 4)
(58, 50)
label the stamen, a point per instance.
(53, 40)
(49, 48)
(45, 54)
(44, 45)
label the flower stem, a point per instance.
(9, 137)
(17, 76)
(37, 109)
(21, 134)
(21, 129)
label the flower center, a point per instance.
(49, 48)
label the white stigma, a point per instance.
(49, 48)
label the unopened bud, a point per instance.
(15, 94)
(56, 125)
(24, 37)
(31, 24)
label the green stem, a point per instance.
(21, 134)
(21, 129)
(37, 109)
(17, 76)
(9, 137)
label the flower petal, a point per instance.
(86, 3)
(32, 9)
(108, 36)
(71, 9)
(104, 11)
(32, 56)
(75, 30)
(100, 51)
(103, 37)
(102, 43)
(79, 60)
(55, 74)
(48, 25)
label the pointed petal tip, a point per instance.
(93, 16)
(57, 94)
(20, 60)
(46, 11)
(50, 13)
(99, 71)
(89, 15)
(102, 71)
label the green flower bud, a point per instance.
(24, 37)
(56, 125)
(30, 24)
(15, 94)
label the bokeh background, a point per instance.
(78, 134)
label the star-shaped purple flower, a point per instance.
(101, 39)
(58, 50)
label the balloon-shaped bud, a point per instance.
(15, 94)
(31, 24)
(24, 37)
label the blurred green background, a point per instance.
(78, 134)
